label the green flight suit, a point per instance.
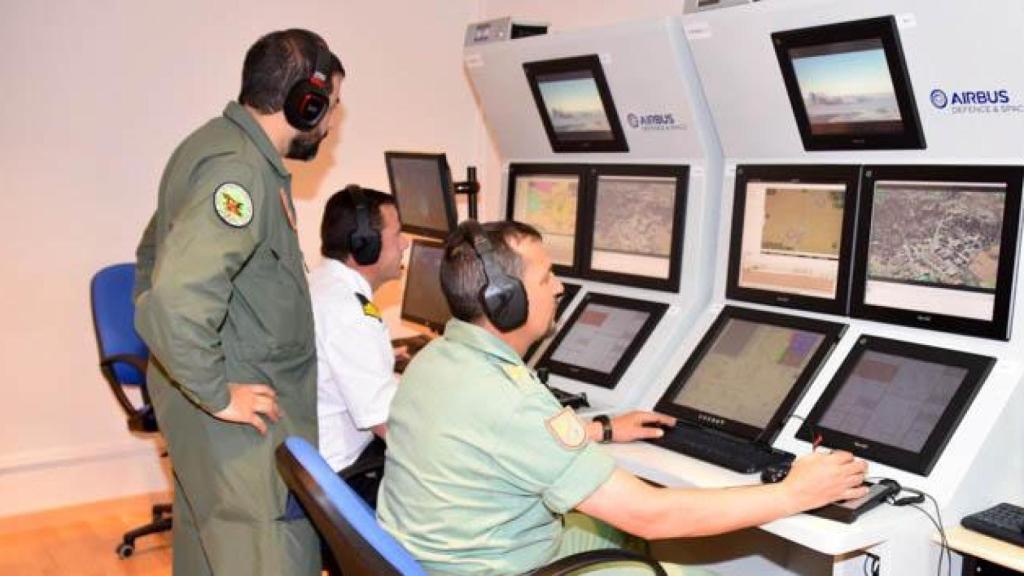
(484, 466)
(221, 296)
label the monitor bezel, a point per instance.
(681, 174)
(570, 290)
(832, 332)
(977, 366)
(610, 380)
(998, 328)
(517, 170)
(450, 211)
(848, 174)
(404, 314)
(881, 28)
(590, 63)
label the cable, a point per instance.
(919, 496)
(875, 566)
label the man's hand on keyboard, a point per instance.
(821, 478)
(639, 425)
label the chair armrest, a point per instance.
(137, 362)
(570, 564)
(361, 468)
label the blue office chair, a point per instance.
(357, 541)
(123, 359)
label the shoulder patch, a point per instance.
(233, 204)
(369, 308)
(516, 373)
(567, 429)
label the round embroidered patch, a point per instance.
(233, 204)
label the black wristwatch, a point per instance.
(606, 427)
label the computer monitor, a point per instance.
(897, 403)
(576, 105)
(599, 341)
(422, 186)
(568, 295)
(792, 236)
(550, 197)
(423, 301)
(937, 247)
(848, 86)
(638, 218)
(749, 371)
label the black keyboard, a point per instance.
(1003, 521)
(717, 448)
(412, 344)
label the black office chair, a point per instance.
(357, 541)
(123, 359)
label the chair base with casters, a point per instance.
(123, 360)
(358, 542)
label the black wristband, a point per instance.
(606, 427)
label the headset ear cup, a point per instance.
(505, 302)
(365, 248)
(305, 106)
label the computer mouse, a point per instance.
(775, 473)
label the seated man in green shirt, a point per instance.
(485, 469)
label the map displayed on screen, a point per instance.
(633, 224)
(574, 105)
(548, 203)
(748, 371)
(792, 236)
(894, 400)
(599, 337)
(418, 189)
(847, 88)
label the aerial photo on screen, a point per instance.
(574, 103)
(802, 221)
(634, 215)
(549, 203)
(846, 87)
(936, 233)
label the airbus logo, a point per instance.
(710, 420)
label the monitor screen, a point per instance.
(896, 402)
(575, 105)
(939, 244)
(749, 371)
(421, 184)
(792, 236)
(548, 197)
(424, 302)
(639, 214)
(599, 341)
(848, 85)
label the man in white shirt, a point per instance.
(362, 247)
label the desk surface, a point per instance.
(980, 546)
(826, 536)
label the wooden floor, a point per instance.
(81, 540)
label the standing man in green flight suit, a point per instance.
(222, 302)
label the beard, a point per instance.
(305, 146)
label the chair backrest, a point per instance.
(342, 518)
(113, 316)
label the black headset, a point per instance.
(502, 297)
(364, 240)
(309, 99)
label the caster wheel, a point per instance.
(125, 550)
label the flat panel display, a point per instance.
(423, 301)
(550, 197)
(601, 338)
(896, 402)
(749, 371)
(639, 213)
(576, 105)
(937, 247)
(848, 86)
(792, 235)
(421, 184)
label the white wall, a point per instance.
(97, 95)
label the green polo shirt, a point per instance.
(482, 461)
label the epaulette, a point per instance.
(369, 308)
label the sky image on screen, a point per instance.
(423, 296)
(599, 337)
(893, 399)
(845, 86)
(548, 203)
(574, 104)
(633, 224)
(792, 234)
(419, 192)
(746, 354)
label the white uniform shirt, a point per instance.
(355, 363)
